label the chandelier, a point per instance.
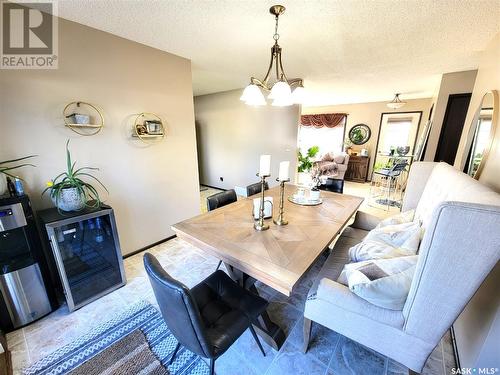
(281, 90)
(396, 102)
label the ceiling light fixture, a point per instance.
(281, 91)
(396, 102)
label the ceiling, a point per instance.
(347, 51)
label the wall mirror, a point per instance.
(396, 138)
(481, 134)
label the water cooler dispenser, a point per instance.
(24, 297)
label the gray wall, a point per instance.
(150, 187)
(231, 137)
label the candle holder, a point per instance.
(280, 220)
(259, 224)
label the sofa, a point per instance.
(459, 247)
(331, 166)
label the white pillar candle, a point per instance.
(265, 165)
(284, 171)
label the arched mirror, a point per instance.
(481, 134)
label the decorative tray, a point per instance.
(304, 201)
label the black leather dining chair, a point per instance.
(256, 188)
(334, 185)
(221, 199)
(208, 318)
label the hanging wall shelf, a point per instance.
(83, 118)
(148, 127)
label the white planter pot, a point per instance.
(3, 184)
(304, 178)
(70, 199)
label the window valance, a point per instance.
(329, 120)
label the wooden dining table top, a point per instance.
(277, 257)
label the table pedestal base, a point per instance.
(270, 332)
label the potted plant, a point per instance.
(6, 169)
(305, 164)
(69, 192)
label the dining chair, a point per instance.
(208, 318)
(334, 185)
(256, 188)
(219, 200)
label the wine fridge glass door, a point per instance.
(88, 259)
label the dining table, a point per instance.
(277, 257)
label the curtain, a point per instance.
(330, 120)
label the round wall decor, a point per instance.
(360, 134)
(83, 118)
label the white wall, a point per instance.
(451, 83)
(231, 137)
(370, 114)
(150, 187)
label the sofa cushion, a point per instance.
(448, 184)
(339, 257)
(383, 282)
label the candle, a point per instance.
(265, 165)
(284, 170)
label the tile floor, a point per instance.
(330, 353)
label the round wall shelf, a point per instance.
(148, 127)
(83, 118)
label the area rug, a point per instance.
(140, 333)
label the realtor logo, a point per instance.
(28, 35)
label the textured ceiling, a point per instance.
(347, 51)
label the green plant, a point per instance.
(6, 167)
(305, 163)
(72, 178)
(357, 135)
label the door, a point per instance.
(453, 124)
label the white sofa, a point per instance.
(460, 247)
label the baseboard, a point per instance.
(214, 187)
(149, 246)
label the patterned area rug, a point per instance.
(121, 337)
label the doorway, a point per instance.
(453, 124)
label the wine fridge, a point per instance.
(86, 252)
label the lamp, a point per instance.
(396, 102)
(281, 91)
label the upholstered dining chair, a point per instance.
(221, 199)
(256, 188)
(208, 318)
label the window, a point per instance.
(327, 139)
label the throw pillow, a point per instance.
(387, 242)
(401, 218)
(384, 282)
(339, 159)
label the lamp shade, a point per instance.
(299, 95)
(252, 95)
(281, 91)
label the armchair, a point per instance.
(461, 245)
(331, 166)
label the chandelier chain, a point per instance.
(276, 36)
